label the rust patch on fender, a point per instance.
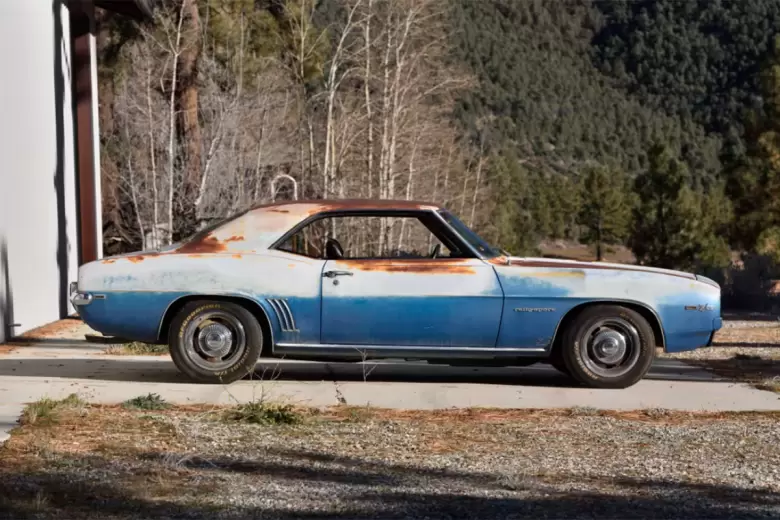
(109, 261)
(136, 259)
(239, 257)
(410, 266)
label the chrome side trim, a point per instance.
(287, 309)
(359, 351)
(283, 314)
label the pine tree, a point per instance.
(675, 226)
(754, 183)
(605, 214)
(512, 225)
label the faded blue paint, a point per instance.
(689, 329)
(488, 319)
(530, 329)
(523, 329)
(305, 311)
(456, 321)
(130, 315)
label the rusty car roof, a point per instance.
(260, 226)
(347, 204)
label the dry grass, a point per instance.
(137, 348)
(48, 411)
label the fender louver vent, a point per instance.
(283, 314)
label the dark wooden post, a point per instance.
(82, 16)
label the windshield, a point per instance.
(469, 236)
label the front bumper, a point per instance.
(79, 299)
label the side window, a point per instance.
(367, 237)
(308, 241)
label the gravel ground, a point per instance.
(365, 463)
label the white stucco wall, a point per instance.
(30, 227)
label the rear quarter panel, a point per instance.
(139, 289)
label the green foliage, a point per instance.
(676, 226)
(543, 96)
(146, 402)
(695, 60)
(240, 35)
(753, 182)
(49, 411)
(605, 214)
(305, 45)
(512, 227)
(261, 412)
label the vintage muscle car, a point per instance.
(343, 280)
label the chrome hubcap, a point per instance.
(610, 347)
(215, 340)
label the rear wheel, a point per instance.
(608, 346)
(215, 341)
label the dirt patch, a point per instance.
(54, 329)
(68, 328)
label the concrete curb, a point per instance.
(9, 415)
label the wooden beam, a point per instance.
(81, 28)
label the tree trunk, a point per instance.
(189, 132)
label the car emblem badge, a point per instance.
(700, 308)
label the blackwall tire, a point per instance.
(608, 346)
(215, 341)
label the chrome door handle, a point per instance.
(334, 274)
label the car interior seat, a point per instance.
(333, 249)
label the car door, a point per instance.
(388, 300)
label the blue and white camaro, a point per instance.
(284, 280)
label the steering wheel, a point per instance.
(436, 251)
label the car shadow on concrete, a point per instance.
(162, 370)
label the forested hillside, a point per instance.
(651, 124)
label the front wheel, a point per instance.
(215, 341)
(608, 346)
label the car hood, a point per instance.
(577, 264)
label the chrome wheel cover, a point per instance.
(215, 340)
(611, 347)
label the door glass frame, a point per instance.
(431, 219)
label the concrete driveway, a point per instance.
(58, 367)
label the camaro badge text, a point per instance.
(534, 309)
(700, 308)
